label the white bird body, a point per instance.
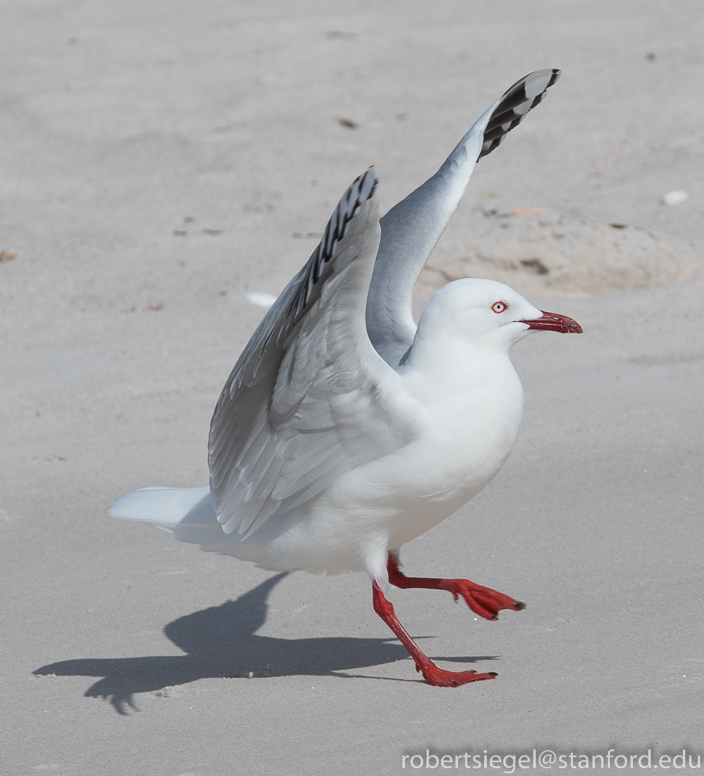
(459, 402)
(345, 431)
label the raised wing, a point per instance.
(307, 399)
(411, 229)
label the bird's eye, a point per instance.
(499, 307)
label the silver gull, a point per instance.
(345, 430)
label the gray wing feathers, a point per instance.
(305, 287)
(287, 423)
(411, 229)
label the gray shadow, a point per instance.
(221, 642)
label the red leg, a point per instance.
(438, 677)
(482, 600)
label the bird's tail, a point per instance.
(171, 509)
(188, 514)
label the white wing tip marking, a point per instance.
(261, 298)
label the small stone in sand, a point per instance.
(6, 256)
(676, 197)
(535, 265)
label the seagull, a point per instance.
(345, 430)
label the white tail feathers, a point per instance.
(166, 508)
(188, 514)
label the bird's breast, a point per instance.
(468, 439)
(463, 437)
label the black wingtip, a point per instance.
(516, 102)
(367, 184)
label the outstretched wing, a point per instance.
(308, 398)
(411, 229)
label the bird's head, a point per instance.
(492, 314)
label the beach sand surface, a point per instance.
(159, 161)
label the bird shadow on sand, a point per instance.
(221, 642)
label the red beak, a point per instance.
(554, 322)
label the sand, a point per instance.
(161, 160)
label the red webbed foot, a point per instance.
(481, 600)
(438, 677)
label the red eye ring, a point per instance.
(499, 307)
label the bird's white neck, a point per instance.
(468, 385)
